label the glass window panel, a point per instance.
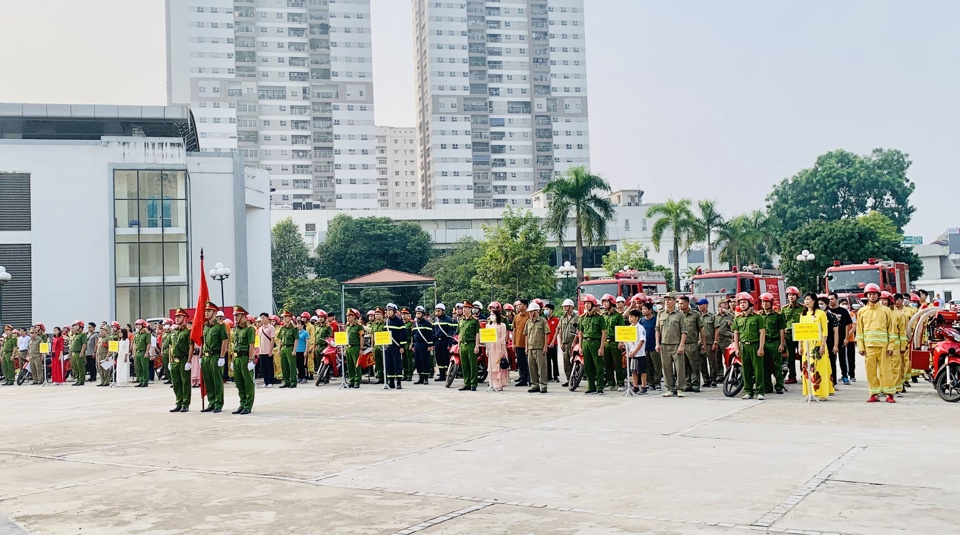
(150, 213)
(124, 184)
(125, 214)
(128, 304)
(151, 302)
(128, 262)
(175, 262)
(175, 215)
(151, 260)
(174, 185)
(175, 297)
(150, 184)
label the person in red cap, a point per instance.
(213, 357)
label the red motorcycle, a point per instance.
(454, 368)
(328, 362)
(935, 346)
(576, 372)
(733, 377)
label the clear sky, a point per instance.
(694, 98)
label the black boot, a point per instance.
(399, 385)
(420, 380)
(426, 379)
(390, 382)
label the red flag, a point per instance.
(196, 332)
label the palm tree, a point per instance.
(734, 239)
(578, 196)
(708, 221)
(762, 233)
(676, 217)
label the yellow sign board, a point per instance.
(382, 338)
(114, 346)
(626, 333)
(44, 347)
(340, 338)
(806, 332)
(256, 340)
(488, 335)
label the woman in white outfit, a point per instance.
(123, 359)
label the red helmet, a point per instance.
(915, 298)
(886, 295)
(607, 297)
(305, 315)
(591, 299)
(167, 321)
(251, 317)
(639, 298)
(321, 313)
(80, 322)
(229, 322)
(275, 318)
(140, 322)
(793, 290)
(872, 287)
(115, 324)
(508, 306)
(766, 297)
(42, 327)
(744, 296)
(539, 302)
(494, 305)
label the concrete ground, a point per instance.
(433, 460)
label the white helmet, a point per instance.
(621, 299)
(567, 303)
(440, 306)
(533, 306)
(477, 304)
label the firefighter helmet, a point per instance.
(744, 296)
(766, 297)
(793, 290)
(872, 287)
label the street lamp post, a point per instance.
(220, 273)
(567, 270)
(805, 257)
(4, 279)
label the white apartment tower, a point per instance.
(501, 98)
(397, 168)
(289, 84)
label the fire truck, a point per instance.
(627, 283)
(893, 277)
(753, 281)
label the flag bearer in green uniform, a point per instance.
(749, 335)
(469, 331)
(180, 351)
(78, 361)
(9, 345)
(612, 357)
(287, 338)
(591, 331)
(213, 356)
(354, 348)
(775, 326)
(242, 339)
(141, 341)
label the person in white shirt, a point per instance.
(636, 354)
(23, 343)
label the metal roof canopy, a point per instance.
(385, 278)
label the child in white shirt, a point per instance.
(636, 355)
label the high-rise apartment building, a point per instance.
(501, 98)
(397, 168)
(288, 84)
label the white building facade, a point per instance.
(397, 168)
(288, 84)
(105, 210)
(501, 98)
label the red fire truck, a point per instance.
(753, 281)
(626, 283)
(893, 277)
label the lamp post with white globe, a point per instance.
(220, 273)
(806, 257)
(567, 270)
(4, 279)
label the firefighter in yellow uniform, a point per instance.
(898, 337)
(876, 341)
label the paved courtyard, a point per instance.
(433, 460)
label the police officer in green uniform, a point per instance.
(141, 342)
(376, 326)
(322, 330)
(775, 344)
(354, 348)
(671, 334)
(791, 315)
(180, 352)
(78, 361)
(591, 331)
(616, 375)
(166, 342)
(724, 322)
(469, 330)
(241, 348)
(709, 361)
(749, 335)
(9, 345)
(287, 338)
(213, 356)
(693, 344)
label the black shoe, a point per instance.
(914, 379)
(533, 390)
(238, 411)
(146, 385)
(208, 409)
(780, 391)
(284, 386)
(390, 383)
(565, 385)
(185, 409)
(178, 408)
(245, 411)
(695, 390)
(464, 389)
(522, 383)
(588, 392)
(688, 389)
(426, 381)
(294, 385)
(419, 381)
(399, 385)
(218, 409)
(473, 389)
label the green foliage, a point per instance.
(289, 256)
(747, 238)
(515, 262)
(707, 222)
(843, 185)
(455, 272)
(676, 218)
(357, 247)
(579, 196)
(307, 295)
(846, 240)
(631, 254)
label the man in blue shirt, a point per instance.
(654, 364)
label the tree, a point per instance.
(844, 185)
(675, 217)
(289, 256)
(846, 240)
(734, 240)
(631, 254)
(708, 221)
(307, 295)
(515, 260)
(579, 196)
(356, 247)
(455, 272)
